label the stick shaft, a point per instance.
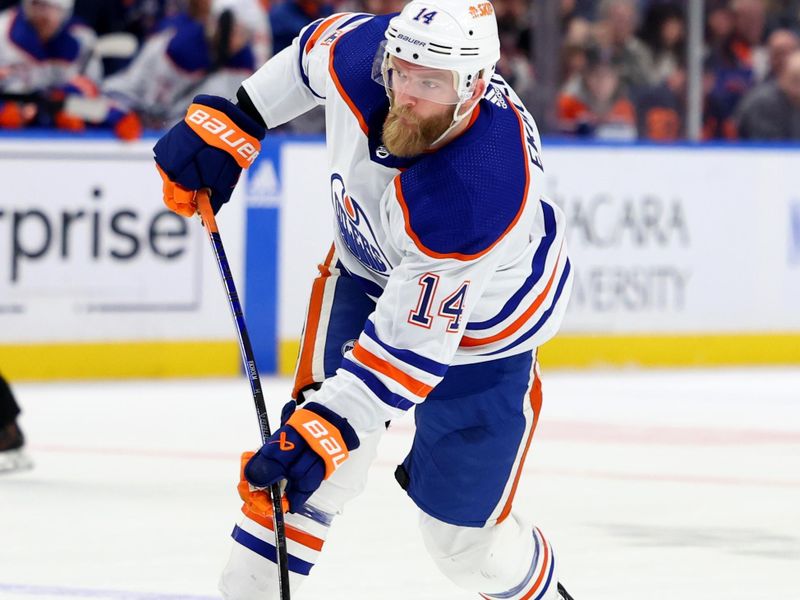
(248, 358)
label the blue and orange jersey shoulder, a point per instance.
(350, 66)
(460, 201)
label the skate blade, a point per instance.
(14, 460)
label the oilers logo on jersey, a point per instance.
(355, 229)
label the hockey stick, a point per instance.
(207, 216)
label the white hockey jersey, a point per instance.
(465, 257)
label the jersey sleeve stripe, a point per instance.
(320, 29)
(355, 19)
(377, 387)
(309, 39)
(307, 34)
(565, 275)
(470, 342)
(538, 264)
(368, 359)
(407, 356)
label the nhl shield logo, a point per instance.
(356, 230)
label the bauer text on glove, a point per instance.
(207, 149)
(305, 451)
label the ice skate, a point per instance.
(12, 455)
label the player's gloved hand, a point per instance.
(312, 443)
(208, 149)
(255, 498)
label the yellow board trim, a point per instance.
(583, 351)
(44, 362)
(712, 350)
(288, 351)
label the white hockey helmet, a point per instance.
(455, 35)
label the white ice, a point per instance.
(651, 485)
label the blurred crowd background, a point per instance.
(621, 65)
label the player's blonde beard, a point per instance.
(411, 139)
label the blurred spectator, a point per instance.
(513, 22)
(785, 14)
(109, 16)
(596, 105)
(664, 34)
(136, 17)
(749, 33)
(661, 109)
(197, 52)
(614, 33)
(45, 56)
(288, 17)
(735, 50)
(383, 7)
(772, 110)
(719, 27)
(780, 44)
(580, 9)
(573, 64)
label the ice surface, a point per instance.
(651, 485)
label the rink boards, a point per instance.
(683, 256)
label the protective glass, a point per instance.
(404, 78)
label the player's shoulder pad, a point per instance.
(188, 48)
(63, 46)
(460, 201)
(351, 67)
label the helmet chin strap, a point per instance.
(456, 120)
(456, 117)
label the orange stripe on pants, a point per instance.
(536, 403)
(304, 374)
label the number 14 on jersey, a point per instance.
(450, 308)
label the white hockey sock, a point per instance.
(252, 571)
(540, 582)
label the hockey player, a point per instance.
(43, 51)
(448, 270)
(12, 442)
(191, 55)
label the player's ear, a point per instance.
(477, 93)
(479, 90)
